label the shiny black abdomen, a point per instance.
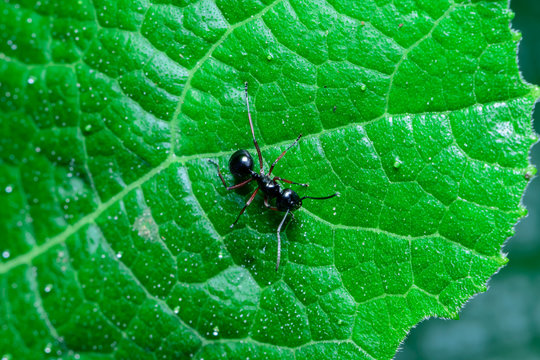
(241, 164)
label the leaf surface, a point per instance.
(116, 241)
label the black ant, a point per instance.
(241, 166)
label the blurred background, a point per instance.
(503, 323)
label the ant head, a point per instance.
(241, 164)
(289, 200)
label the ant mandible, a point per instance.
(241, 166)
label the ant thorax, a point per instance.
(267, 185)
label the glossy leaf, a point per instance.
(116, 241)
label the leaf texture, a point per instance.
(115, 227)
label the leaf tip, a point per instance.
(502, 261)
(536, 91)
(530, 172)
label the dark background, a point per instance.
(504, 322)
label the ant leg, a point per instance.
(253, 131)
(288, 181)
(223, 179)
(279, 240)
(240, 185)
(245, 206)
(283, 153)
(268, 205)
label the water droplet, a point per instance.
(9, 189)
(88, 127)
(6, 254)
(176, 310)
(216, 331)
(119, 255)
(363, 87)
(48, 288)
(397, 163)
(31, 80)
(270, 57)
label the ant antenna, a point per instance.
(279, 239)
(320, 198)
(253, 131)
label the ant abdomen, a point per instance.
(241, 164)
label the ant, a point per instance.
(241, 166)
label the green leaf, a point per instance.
(115, 227)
